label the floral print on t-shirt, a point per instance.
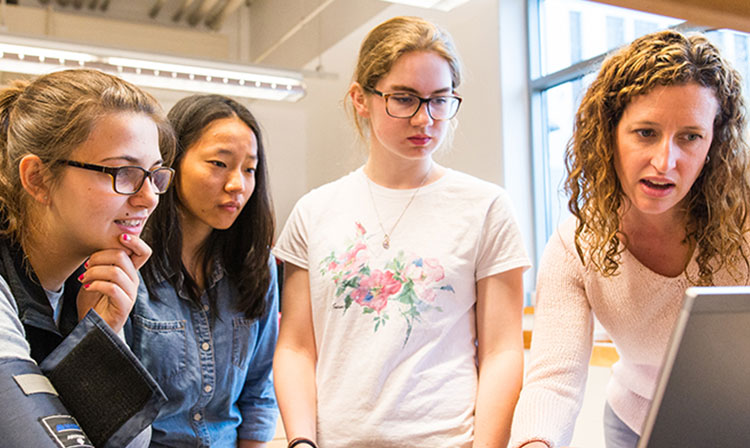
(406, 286)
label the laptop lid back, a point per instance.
(703, 395)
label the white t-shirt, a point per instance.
(395, 328)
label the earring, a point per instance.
(708, 159)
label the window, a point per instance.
(568, 40)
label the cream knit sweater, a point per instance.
(637, 307)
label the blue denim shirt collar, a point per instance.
(217, 274)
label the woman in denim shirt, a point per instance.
(208, 330)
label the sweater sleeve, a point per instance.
(560, 350)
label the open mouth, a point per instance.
(657, 185)
(129, 222)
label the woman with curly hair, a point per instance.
(658, 183)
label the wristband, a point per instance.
(301, 441)
(536, 440)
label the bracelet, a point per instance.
(300, 441)
(536, 440)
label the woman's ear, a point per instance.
(34, 178)
(359, 100)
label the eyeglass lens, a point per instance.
(129, 179)
(406, 105)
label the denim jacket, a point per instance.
(216, 373)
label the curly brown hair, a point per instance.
(716, 204)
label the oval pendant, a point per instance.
(386, 242)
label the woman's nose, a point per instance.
(422, 117)
(146, 196)
(665, 155)
(236, 182)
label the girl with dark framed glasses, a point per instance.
(70, 250)
(401, 316)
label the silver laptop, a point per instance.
(702, 398)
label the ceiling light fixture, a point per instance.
(36, 57)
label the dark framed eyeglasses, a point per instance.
(406, 105)
(128, 180)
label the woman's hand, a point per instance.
(110, 283)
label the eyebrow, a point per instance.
(227, 152)
(655, 124)
(131, 160)
(414, 91)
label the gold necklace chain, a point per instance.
(387, 235)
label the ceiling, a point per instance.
(279, 33)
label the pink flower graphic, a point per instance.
(434, 272)
(425, 293)
(422, 270)
(406, 285)
(349, 263)
(360, 229)
(373, 291)
(351, 259)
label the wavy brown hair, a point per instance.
(716, 204)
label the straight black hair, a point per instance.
(244, 248)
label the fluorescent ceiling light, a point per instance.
(22, 55)
(443, 5)
(43, 53)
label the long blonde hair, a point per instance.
(716, 203)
